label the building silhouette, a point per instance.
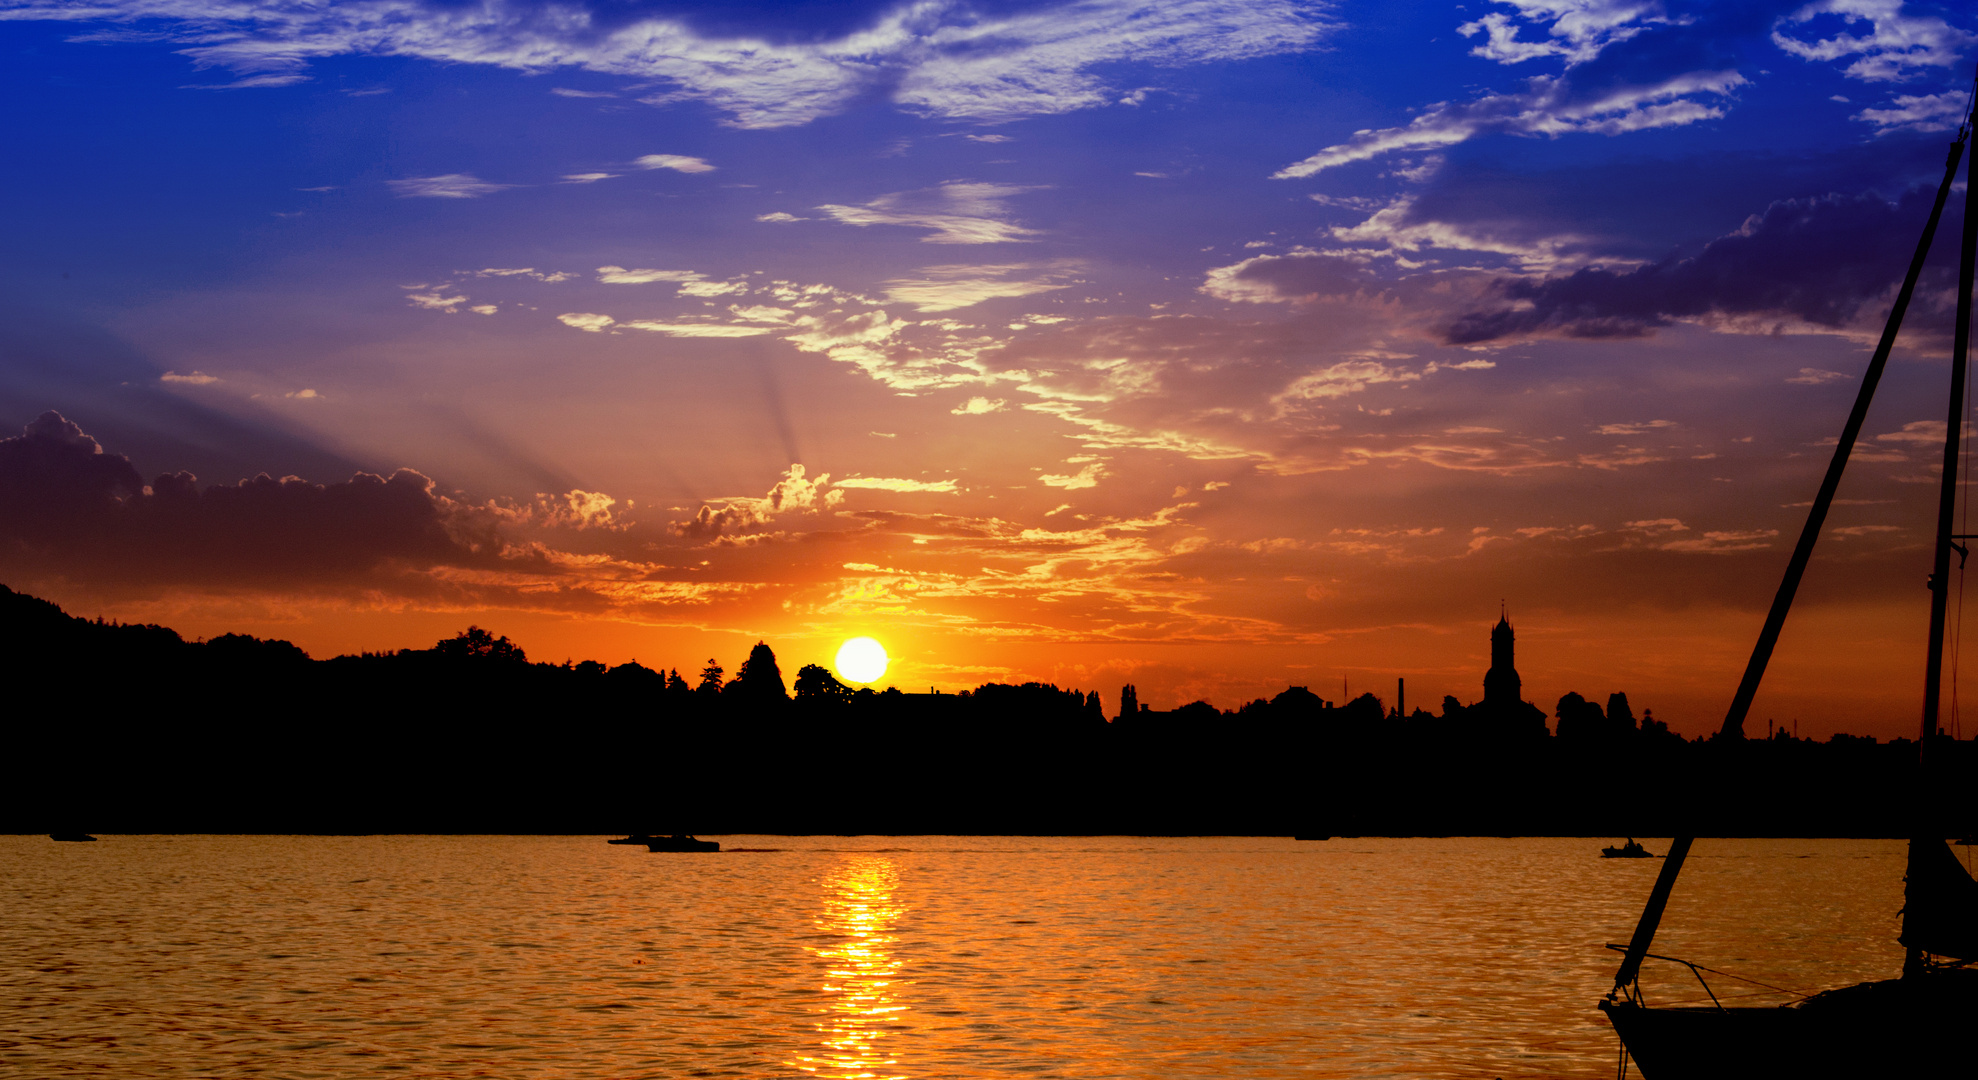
(1502, 687)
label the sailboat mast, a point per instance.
(1782, 601)
(1933, 679)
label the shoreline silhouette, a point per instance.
(132, 729)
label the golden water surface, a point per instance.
(887, 957)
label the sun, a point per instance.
(861, 660)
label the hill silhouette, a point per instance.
(132, 728)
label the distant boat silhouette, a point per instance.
(1311, 836)
(70, 836)
(635, 838)
(1914, 1026)
(678, 842)
(1629, 850)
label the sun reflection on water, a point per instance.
(861, 973)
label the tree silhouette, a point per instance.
(710, 679)
(478, 644)
(817, 686)
(1129, 702)
(759, 678)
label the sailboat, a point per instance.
(1902, 1027)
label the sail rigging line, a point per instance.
(1696, 967)
(1775, 619)
(1953, 444)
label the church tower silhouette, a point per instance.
(1501, 683)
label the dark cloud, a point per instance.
(1647, 208)
(67, 507)
(1819, 260)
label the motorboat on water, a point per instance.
(680, 842)
(1629, 850)
(1917, 1025)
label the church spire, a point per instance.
(1501, 683)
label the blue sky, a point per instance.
(1209, 346)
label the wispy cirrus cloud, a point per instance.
(887, 483)
(945, 288)
(940, 57)
(1912, 112)
(446, 186)
(1885, 44)
(618, 275)
(676, 162)
(1546, 106)
(960, 212)
(1576, 30)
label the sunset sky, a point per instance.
(1208, 345)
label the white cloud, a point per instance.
(1035, 62)
(1931, 112)
(761, 313)
(676, 162)
(587, 177)
(779, 215)
(792, 492)
(714, 288)
(938, 57)
(483, 309)
(449, 186)
(586, 321)
(552, 277)
(618, 275)
(304, 394)
(976, 406)
(1392, 229)
(1892, 48)
(436, 300)
(956, 213)
(195, 378)
(1547, 106)
(883, 483)
(564, 91)
(1578, 29)
(1724, 542)
(1925, 432)
(945, 288)
(708, 330)
(1083, 478)
(1642, 428)
(1817, 376)
(1343, 378)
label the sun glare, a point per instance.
(861, 660)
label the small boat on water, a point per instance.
(1629, 850)
(1917, 1025)
(635, 838)
(679, 842)
(70, 837)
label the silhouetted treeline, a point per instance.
(122, 728)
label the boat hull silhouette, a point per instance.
(680, 843)
(1872, 1029)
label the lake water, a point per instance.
(876, 957)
